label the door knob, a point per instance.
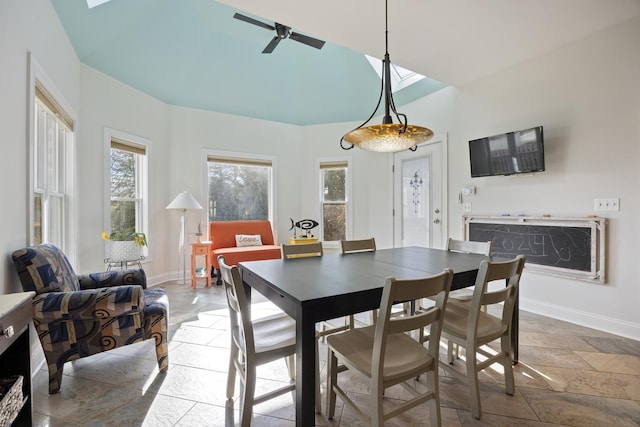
(436, 221)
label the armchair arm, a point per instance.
(89, 304)
(113, 278)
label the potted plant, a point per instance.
(126, 245)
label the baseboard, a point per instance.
(583, 318)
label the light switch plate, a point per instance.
(607, 204)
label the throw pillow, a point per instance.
(248, 240)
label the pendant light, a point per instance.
(387, 137)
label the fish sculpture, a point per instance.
(304, 224)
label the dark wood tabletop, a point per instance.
(319, 288)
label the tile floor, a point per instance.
(568, 375)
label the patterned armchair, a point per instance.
(81, 315)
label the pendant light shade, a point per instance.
(387, 137)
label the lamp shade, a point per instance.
(184, 201)
(388, 138)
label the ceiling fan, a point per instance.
(282, 32)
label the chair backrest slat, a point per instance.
(469, 247)
(307, 249)
(363, 245)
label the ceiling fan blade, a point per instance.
(310, 41)
(272, 45)
(253, 21)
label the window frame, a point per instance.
(239, 157)
(55, 104)
(142, 182)
(320, 162)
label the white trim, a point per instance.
(37, 73)
(444, 215)
(108, 134)
(204, 191)
(348, 195)
(583, 318)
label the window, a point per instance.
(239, 188)
(128, 182)
(333, 200)
(52, 142)
(400, 77)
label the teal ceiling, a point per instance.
(192, 53)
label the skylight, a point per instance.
(94, 3)
(400, 77)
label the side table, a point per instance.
(15, 353)
(201, 249)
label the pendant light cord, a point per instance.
(384, 88)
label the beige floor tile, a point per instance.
(581, 410)
(593, 383)
(618, 363)
(558, 341)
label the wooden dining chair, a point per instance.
(467, 247)
(384, 355)
(256, 342)
(466, 325)
(358, 246)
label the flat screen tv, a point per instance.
(508, 153)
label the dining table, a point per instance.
(314, 289)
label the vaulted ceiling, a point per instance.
(193, 53)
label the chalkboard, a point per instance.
(563, 247)
(569, 247)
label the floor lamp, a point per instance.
(184, 201)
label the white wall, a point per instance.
(585, 95)
(108, 103)
(26, 27)
(192, 131)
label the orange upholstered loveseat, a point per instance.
(223, 242)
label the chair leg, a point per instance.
(156, 328)
(450, 356)
(377, 413)
(505, 342)
(249, 394)
(332, 378)
(291, 366)
(317, 382)
(474, 386)
(434, 404)
(231, 373)
(55, 376)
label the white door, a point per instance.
(419, 190)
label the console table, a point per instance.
(15, 352)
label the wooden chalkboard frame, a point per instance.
(597, 226)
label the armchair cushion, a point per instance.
(113, 278)
(90, 304)
(45, 269)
